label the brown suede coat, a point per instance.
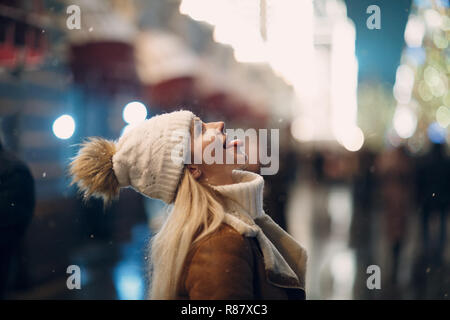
(228, 265)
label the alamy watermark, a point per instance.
(228, 147)
(74, 19)
(374, 20)
(374, 280)
(74, 280)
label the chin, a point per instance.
(242, 166)
(241, 158)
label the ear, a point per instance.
(195, 171)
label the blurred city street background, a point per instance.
(358, 90)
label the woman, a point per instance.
(217, 242)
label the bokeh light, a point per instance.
(404, 83)
(415, 30)
(64, 127)
(433, 18)
(134, 112)
(405, 122)
(436, 133)
(352, 139)
(443, 116)
(302, 129)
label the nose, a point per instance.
(220, 126)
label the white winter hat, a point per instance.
(150, 156)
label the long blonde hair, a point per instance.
(197, 212)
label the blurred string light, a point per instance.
(405, 121)
(445, 25)
(433, 18)
(404, 83)
(440, 39)
(436, 133)
(431, 76)
(414, 31)
(435, 81)
(443, 116)
(424, 59)
(64, 127)
(425, 91)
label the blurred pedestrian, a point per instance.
(362, 219)
(17, 200)
(396, 182)
(434, 198)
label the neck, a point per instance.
(220, 178)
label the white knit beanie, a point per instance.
(149, 158)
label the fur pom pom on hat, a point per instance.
(149, 158)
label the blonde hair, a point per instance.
(197, 212)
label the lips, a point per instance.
(234, 143)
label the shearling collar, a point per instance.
(284, 258)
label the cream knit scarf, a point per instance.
(284, 258)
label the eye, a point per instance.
(198, 129)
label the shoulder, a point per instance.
(219, 266)
(222, 247)
(225, 230)
(224, 239)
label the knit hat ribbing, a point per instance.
(149, 157)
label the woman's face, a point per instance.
(213, 156)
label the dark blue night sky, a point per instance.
(379, 51)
